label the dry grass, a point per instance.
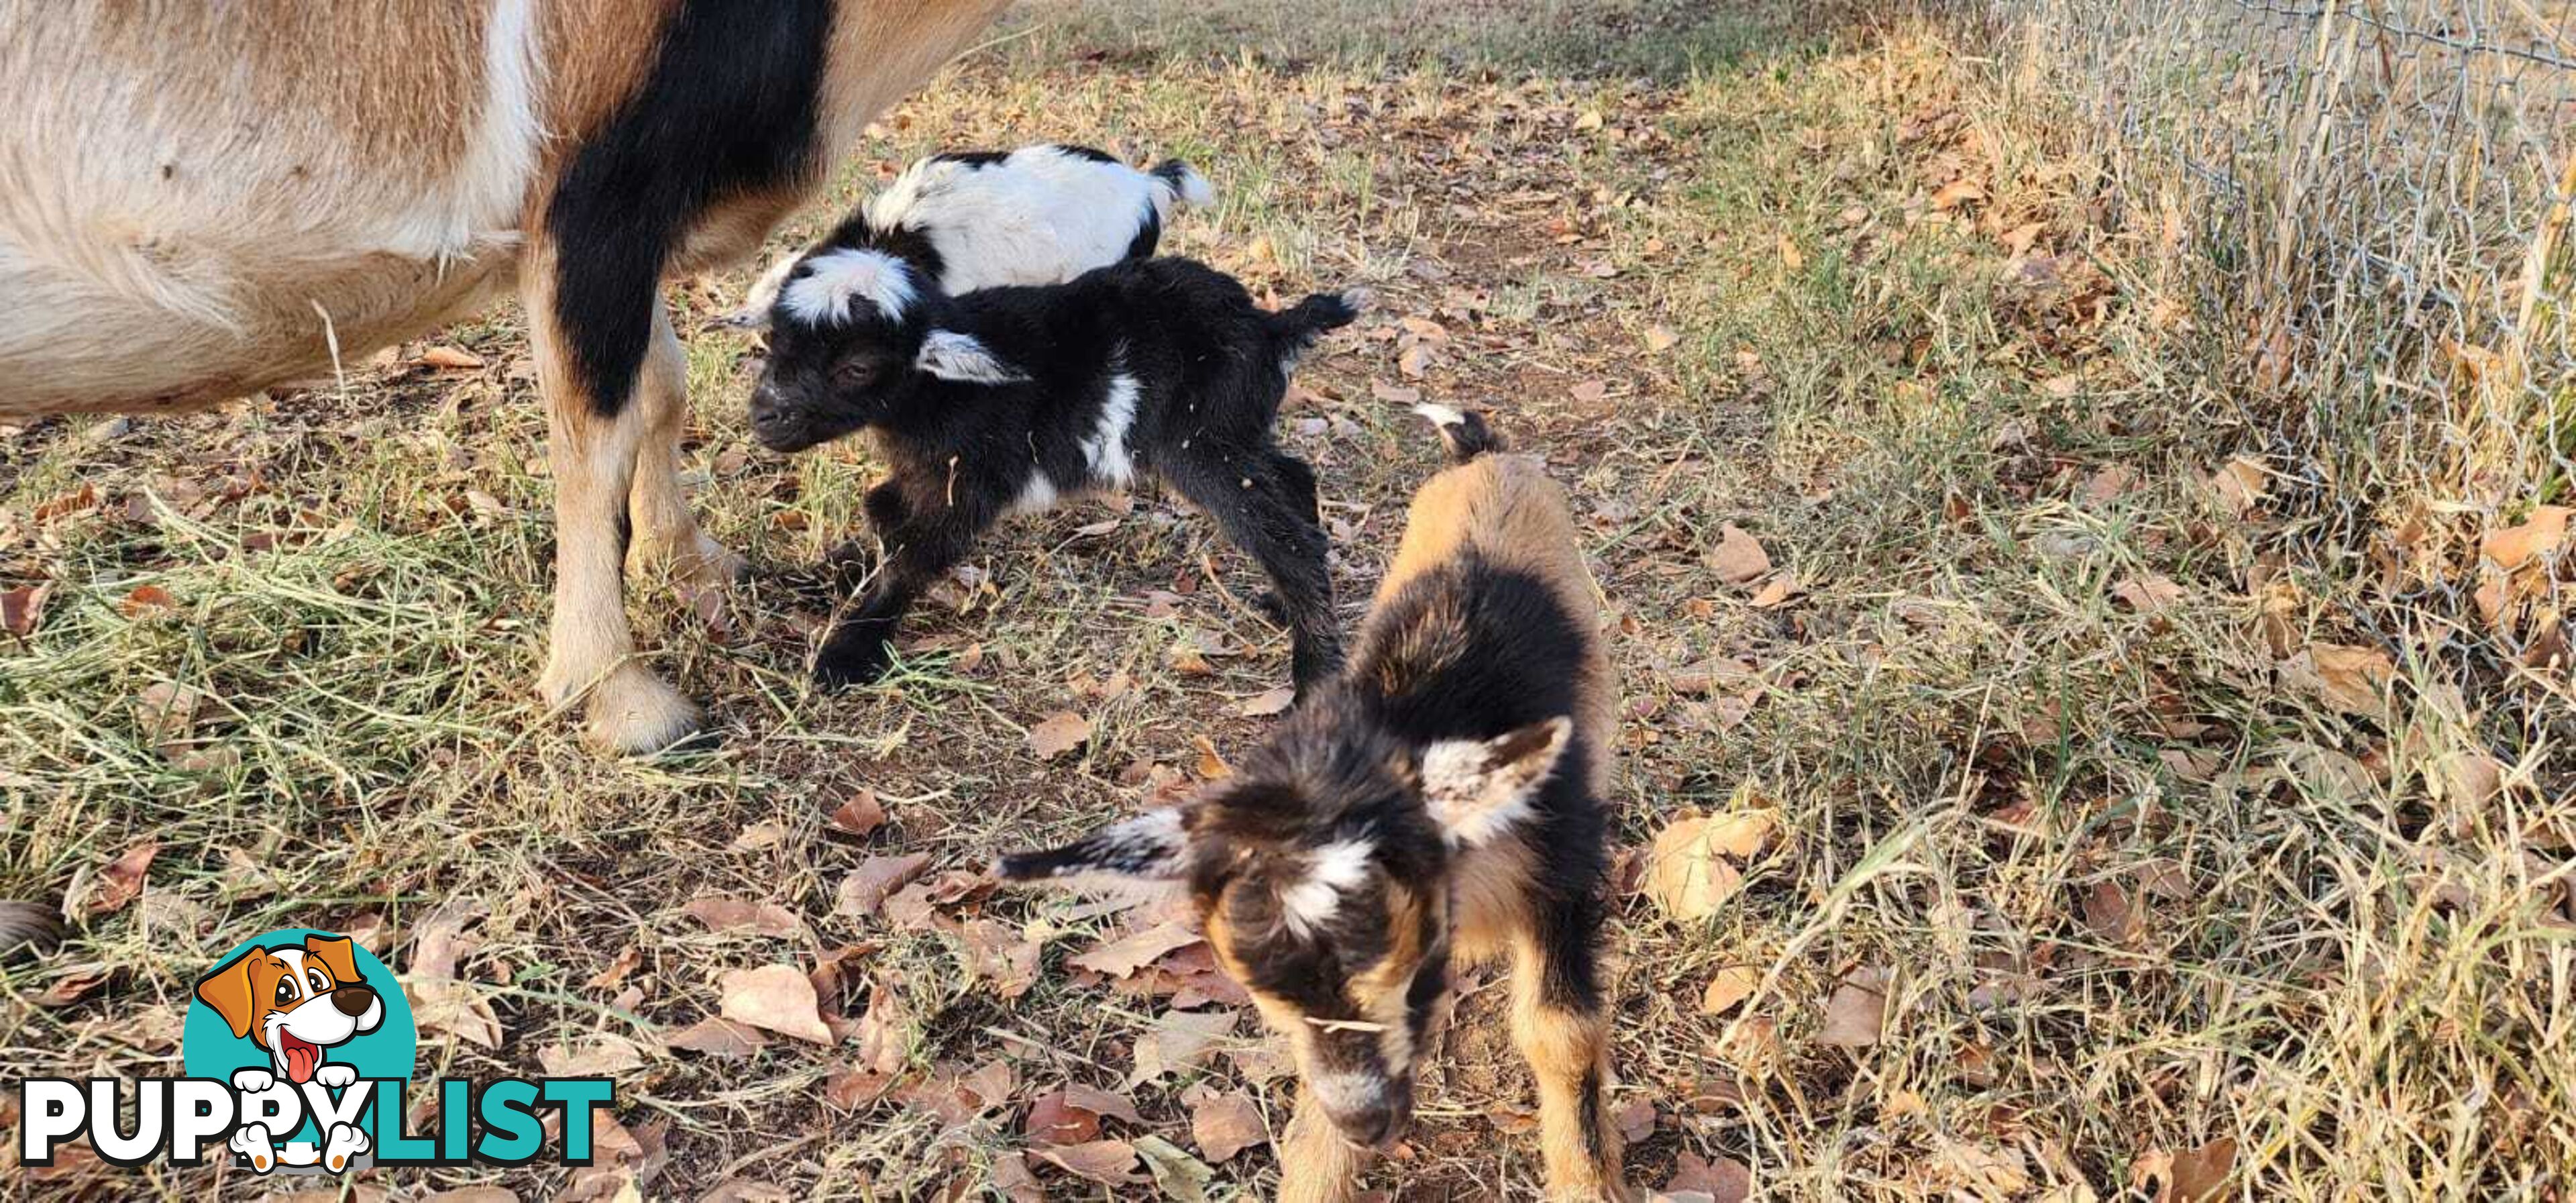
(2126, 889)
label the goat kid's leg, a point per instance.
(1561, 1024)
(1264, 501)
(917, 554)
(594, 450)
(1316, 1165)
(666, 531)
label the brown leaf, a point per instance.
(1268, 702)
(20, 608)
(1211, 767)
(722, 914)
(1416, 360)
(2150, 593)
(1738, 558)
(1956, 193)
(1790, 256)
(1180, 1039)
(1857, 1012)
(1729, 987)
(1124, 956)
(1071, 1116)
(2241, 483)
(866, 888)
(167, 711)
(449, 357)
(1011, 1176)
(147, 600)
(1589, 392)
(121, 882)
(1725, 1180)
(998, 952)
(861, 814)
(2108, 912)
(1776, 591)
(777, 997)
(1635, 1119)
(1108, 1162)
(2351, 679)
(852, 1088)
(1222, 1125)
(718, 1037)
(599, 1056)
(1685, 875)
(2191, 1176)
(1660, 339)
(1058, 733)
(2543, 534)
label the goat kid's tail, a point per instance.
(1193, 189)
(1464, 430)
(1298, 326)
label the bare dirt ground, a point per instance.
(1995, 830)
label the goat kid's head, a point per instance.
(850, 330)
(1322, 873)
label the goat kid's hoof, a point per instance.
(839, 669)
(633, 713)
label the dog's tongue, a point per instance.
(301, 1057)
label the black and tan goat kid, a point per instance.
(1041, 214)
(1004, 400)
(205, 200)
(1439, 803)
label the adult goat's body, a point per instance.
(204, 203)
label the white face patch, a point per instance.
(834, 282)
(950, 355)
(1336, 870)
(1106, 448)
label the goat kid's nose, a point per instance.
(353, 1001)
(1377, 1125)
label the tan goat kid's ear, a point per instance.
(1478, 789)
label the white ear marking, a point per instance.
(1479, 788)
(950, 355)
(823, 293)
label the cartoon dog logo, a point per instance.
(296, 1001)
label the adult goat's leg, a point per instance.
(594, 443)
(666, 531)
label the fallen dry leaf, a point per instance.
(1956, 193)
(1776, 591)
(861, 814)
(1179, 1040)
(121, 882)
(1684, 873)
(2351, 679)
(1222, 1125)
(999, 953)
(1857, 1012)
(1725, 1180)
(1738, 558)
(1124, 956)
(722, 914)
(2241, 483)
(449, 357)
(2543, 534)
(1589, 392)
(866, 888)
(1180, 1177)
(1660, 339)
(598, 1056)
(21, 608)
(718, 1037)
(1268, 702)
(1072, 1115)
(778, 998)
(2149, 593)
(1058, 733)
(1108, 1162)
(2191, 1176)
(147, 600)
(1729, 987)
(2108, 912)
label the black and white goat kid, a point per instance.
(1041, 214)
(1004, 400)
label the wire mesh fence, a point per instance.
(2378, 198)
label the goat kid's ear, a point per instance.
(1145, 851)
(1478, 789)
(950, 355)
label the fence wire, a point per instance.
(2382, 189)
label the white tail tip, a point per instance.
(1195, 190)
(1361, 300)
(1440, 415)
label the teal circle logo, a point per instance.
(300, 1009)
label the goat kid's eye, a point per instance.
(855, 374)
